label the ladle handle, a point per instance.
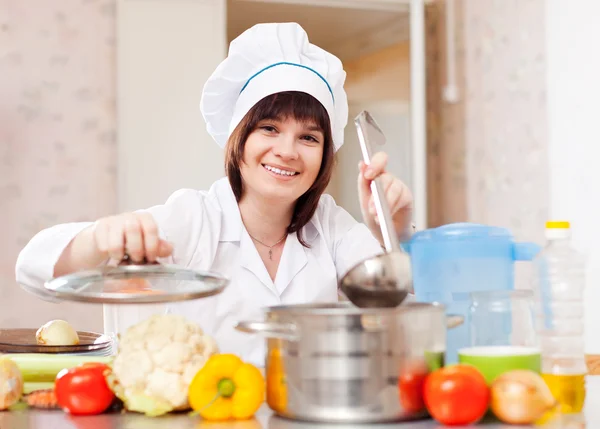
(384, 215)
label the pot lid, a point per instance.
(131, 283)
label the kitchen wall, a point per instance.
(488, 151)
(519, 147)
(446, 171)
(162, 65)
(57, 135)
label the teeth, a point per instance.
(278, 171)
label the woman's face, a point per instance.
(282, 159)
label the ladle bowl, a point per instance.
(382, 281)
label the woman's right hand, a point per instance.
(109, 239)
(134, 234)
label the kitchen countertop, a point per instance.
(264, 419)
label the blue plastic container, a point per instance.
(451, 261)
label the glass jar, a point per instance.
(502, 333)
(502, 318)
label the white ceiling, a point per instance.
(347, 33)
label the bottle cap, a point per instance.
(558, 229)
(554, 224)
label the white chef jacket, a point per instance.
(208, 234)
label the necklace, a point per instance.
(270, 247)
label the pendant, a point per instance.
(270, 254)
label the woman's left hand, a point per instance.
(399, 197)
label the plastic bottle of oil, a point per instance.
(560, 284)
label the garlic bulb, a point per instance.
(57, 333)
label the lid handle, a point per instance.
(281, 331)
(128, 261)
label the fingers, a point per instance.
(116, 238)
(165, 249)
(134, 239)
(101, 236)
(363, 184)
(367, 173)
(396, 193)
(134, 234)
(150, 234)
(377, 166)
(387, 182)
(154, 246)
(399, 196)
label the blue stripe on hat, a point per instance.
(289, 64)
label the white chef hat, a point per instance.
(267, 59)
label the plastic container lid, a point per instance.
(462, 231)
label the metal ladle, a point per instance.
(384, 280)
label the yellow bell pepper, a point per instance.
(226, 388)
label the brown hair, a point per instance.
(302, 107)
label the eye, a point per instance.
(268, 128)
(310, 138)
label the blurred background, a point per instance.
(489, 106)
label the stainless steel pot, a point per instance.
(342, 364)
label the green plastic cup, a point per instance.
(492, 361)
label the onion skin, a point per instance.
(520, 397)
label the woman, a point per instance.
(278, 107)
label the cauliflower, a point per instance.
(156, 361)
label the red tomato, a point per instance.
(456, 395)
(411, 383)
(83, 390)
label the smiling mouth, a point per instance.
(287, 173)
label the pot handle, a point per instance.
(280, 331)
(454, 320)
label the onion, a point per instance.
(520, 397)
(11, 383)
(57, 333)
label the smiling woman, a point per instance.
(288, 137)
(278, 107)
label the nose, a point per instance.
(285, 147)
